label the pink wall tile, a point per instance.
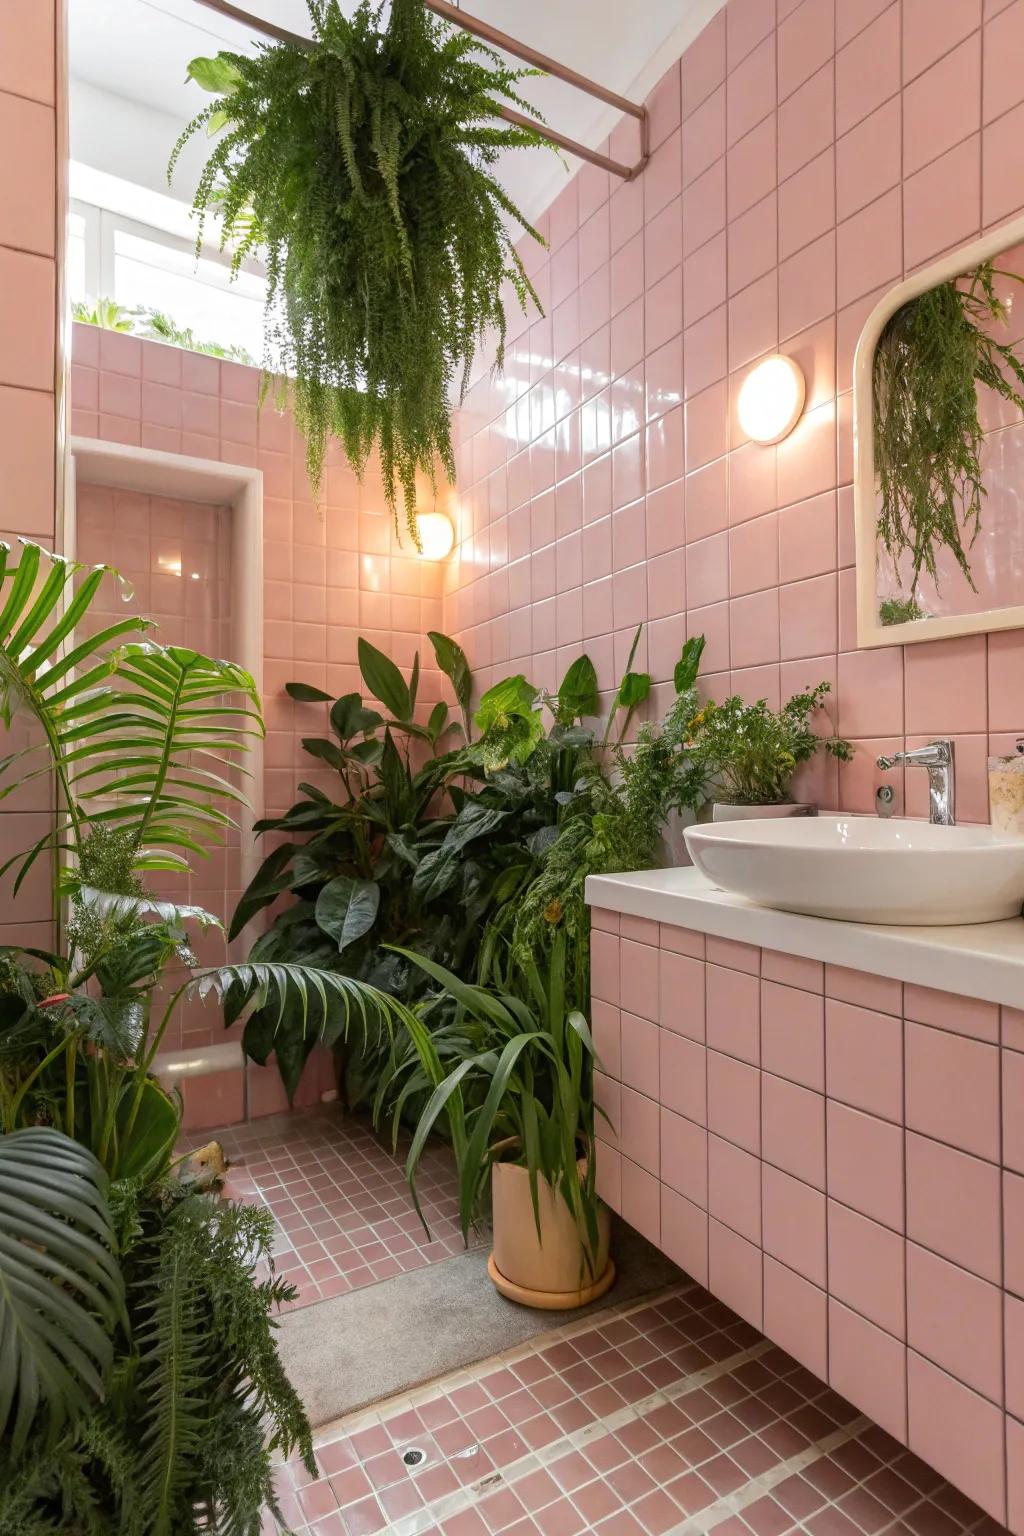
(796, 1316)
(733, 1013)
(866, 1268)
(953, 1089)
(684, 1157)
(957, 1432)
(735, 1272)
(792, 1034)
(865, 1164)
(682, 1002)
(734, 1107)
(683, 1076)
(953, 1205)
(794, 1224)
(734, 1188)
(868, 1366)
(864, 1056)
(945, 1010)
(684, 1234)
(793, 1129)
(940, 1296)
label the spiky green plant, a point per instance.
(362, 168)
(140, 1389)
(930, 359)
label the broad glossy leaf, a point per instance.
(511, 697)
(272, 877)
(578, 693)
(349, 717)
(347, 908)
(688, 665)
(451, 658)
(439, 870)
(384, 680)
(633, 689)
(219, 75)
(305, 693)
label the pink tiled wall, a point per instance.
(807, 154)
(839, 1158)
(330, 575)
(29, 368)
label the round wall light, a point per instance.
(437, 535)
(771, 398)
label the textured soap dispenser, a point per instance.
(1006, 791)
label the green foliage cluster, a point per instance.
(931, 357)
(362, 168)
(509, 1074)
(899, 610)
(477, 859)
(153, 325)
(141, 1389)
(748, 753)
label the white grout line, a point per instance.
(732, 1503)
(575, 1440)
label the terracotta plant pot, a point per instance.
(723, 811)
(551, 1273)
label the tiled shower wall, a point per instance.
(807, 154)
(30, 404)
(838, 1157)
(331, 573)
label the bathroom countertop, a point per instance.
(983, 960)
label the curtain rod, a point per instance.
(495, 39)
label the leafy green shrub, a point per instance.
(141, 1390)
(749, 753)
(530, 808)
(363, 167)
(929, 361)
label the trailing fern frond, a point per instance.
(360, 168)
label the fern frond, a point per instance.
(365, 164)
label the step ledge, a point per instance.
(173, 1066)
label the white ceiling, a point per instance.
(138, 50)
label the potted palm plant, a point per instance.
(512, 1076)
(748, 753)
(142, 1390)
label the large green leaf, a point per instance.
(451, 658)
(218, 75)
(347, 908)
(61, 1293)
(577, 692)
(384, 680)
(273, 876)
(512, 696)
(350, 718)
(438, 870)
(306, 693)
(688, 665)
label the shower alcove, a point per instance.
(186, 535)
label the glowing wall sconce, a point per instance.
(771, 399)
(437, 535)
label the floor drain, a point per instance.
(414, 1457)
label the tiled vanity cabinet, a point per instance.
(837, 1154)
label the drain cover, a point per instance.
(414, 1457)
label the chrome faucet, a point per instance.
(937, 757)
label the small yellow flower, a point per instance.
(553, 911)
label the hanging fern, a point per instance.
(362, 168)
(930, 359)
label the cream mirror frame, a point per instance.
(870, 630)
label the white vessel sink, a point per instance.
(864, 870)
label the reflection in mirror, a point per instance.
(940, 449)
